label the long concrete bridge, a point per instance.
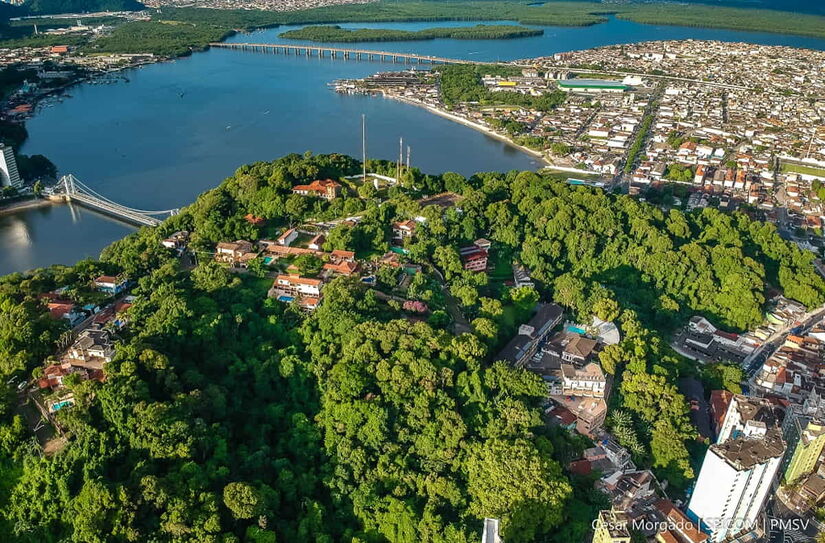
(341, 53)
(70, 189)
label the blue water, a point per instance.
(179, 128)
(554, 40)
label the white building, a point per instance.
(739, 470)
(588, 381)
(9, 176)
(294, 285)
(744, 410)
(490, 533)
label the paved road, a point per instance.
(786, 526)
(767, 349)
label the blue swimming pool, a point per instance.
(286, 299)
(576, 330)
(60, 405)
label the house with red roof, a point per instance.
(402, 230)
(475, 256)
(326, 189)
(305, 291)
(112, 285)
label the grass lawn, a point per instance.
(803, 170)
(501, 270)
(502, 264)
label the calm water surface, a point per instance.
(176, 129)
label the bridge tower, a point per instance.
(68, 185)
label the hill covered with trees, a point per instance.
(47, 7)
(228, 416)
(334, 33)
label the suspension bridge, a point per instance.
(341, 53)
(71, 189)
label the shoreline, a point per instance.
(22, 205)
(470, 124)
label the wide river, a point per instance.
(175, 129)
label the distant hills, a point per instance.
(37, 7)
(816, 7)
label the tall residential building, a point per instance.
(743, 410)
(612, 527)
(804, 431)
(739, 470)
(9, 176)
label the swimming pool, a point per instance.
(576, 330)
(286, 299)
(60, 405)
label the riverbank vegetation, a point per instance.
(205, 25)
(158, 38)
(551, 13)
(228, 416)
(347, 35)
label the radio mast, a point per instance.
(364, 146)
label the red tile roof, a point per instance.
(687, 528)
(295, 280)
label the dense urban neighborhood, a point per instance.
(723, 125)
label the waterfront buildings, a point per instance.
(266, 5)
(9, 176)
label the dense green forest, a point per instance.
(462, 83)
(46, 7)
(159, 38)
(551, 13)
(227, 416)
(477, 32)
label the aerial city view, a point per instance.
(402, 271)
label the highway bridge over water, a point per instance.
(341, 53)
(71, 189)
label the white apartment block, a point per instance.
(739, 469)
(9, 176)
(734, 482)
